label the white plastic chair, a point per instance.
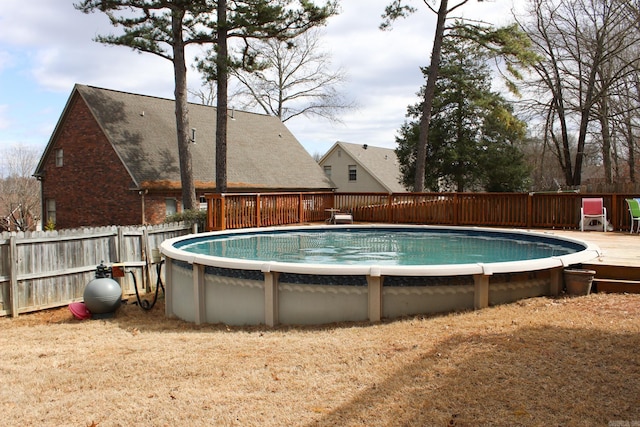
(593, 209)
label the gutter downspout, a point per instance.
(142, 193)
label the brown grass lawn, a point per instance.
(538, 362)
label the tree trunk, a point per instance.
(182, 114)
(423, 139)
(606, 140)
(221, 110)
(567, 164)
(585, 112)
(554, 82)
(631, 160)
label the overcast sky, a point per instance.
(46, 47)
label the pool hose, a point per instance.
(143, 303)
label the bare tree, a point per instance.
(582, 46)
(293, 78)
(206, 95)
(624, 112)
(19, 190)
(395, 11)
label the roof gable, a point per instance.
(381, 163)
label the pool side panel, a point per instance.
(511, 288)
(398, 301)
(234, 301)
(308, 304)
(181, 284)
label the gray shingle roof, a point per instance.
(261, 152)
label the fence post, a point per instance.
(146, 258)
(216, 215)
(223, 213)
(529, 210)
(390, 198)
(300, 208)
(209, 225)
(13, 275)
(258, 211)
(614, 218)
(120, 245)
(456, 209)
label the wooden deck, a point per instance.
(618, 269)
(618, 248)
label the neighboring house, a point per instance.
(362, 168)
(113, 159)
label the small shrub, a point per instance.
(50, 225)
(190, 217)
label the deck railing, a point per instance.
(517, 210)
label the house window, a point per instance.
(327, 171)
(172, 206)
(51, 211)
(59, 157)
(353, 175)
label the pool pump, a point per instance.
(102, 295)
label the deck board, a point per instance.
(618, 248)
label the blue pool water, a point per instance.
(380, 246)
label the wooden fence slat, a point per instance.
(13, 273)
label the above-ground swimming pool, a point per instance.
(325, 274)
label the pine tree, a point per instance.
(507, 43)
(473, 136)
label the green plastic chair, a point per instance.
(634, 211)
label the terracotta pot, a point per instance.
(578, 281)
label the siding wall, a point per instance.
(339, 160)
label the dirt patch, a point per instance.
(538, 362)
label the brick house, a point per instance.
(113, 159)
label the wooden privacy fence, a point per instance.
(41, 270)
(523, 210)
